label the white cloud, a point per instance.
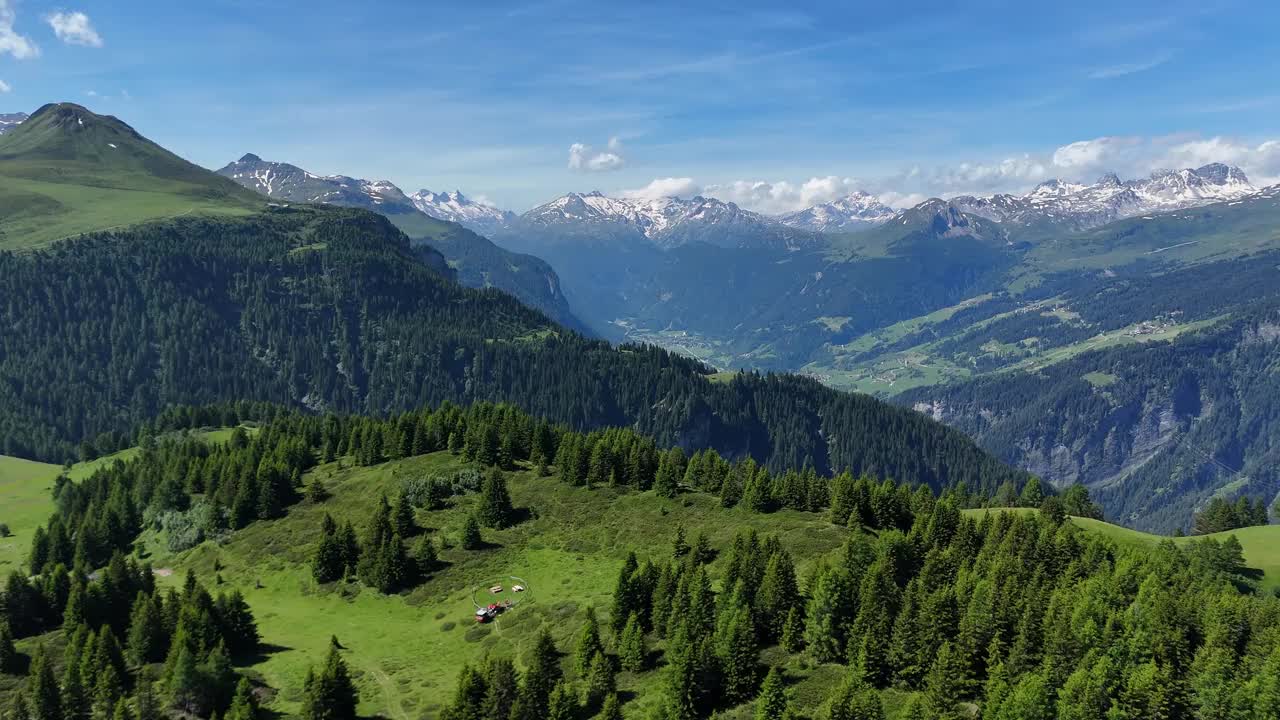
(776, 197)
(4, 87)
(1115, 71)
(665, 187)
(12, 43)
(584, 158)
(74, 28)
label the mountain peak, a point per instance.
(250, 158)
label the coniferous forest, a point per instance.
(1009, 614)
(331, 310)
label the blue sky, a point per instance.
(768, 104)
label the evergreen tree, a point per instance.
(793, 630)
(45, 702)
(402, 521)
(9, 661)
(184, 686)
(495, 508)
(75, 696)
(679, 547)
(562, 703)
(542, 677)
(471, 539)
(600, 679)
(330, 695)
(329, 562)
(771, 703)
(740, 657)
(943, 686)
(612, 709)
(631, 646)
(829, 616)
(146, 631)
(244, 706)
(589, 644)
(666, 483)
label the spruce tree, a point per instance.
(679, 546)
(600, 679)
(329, 562)
(829, 616)
(562, 703)
(75, 696)
(45, 701)
(330, 695)
(588, 643)
(943, 685)
(402, 520)
(771, 703)
(494, 509)
(631, 646)
(9, 661)
(471, 539)
(541, 678)
(244, 706)
(612, 709)
(739, 656)
(147, 636)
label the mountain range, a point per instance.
(959, 307)
(476, 260)
(9, 121)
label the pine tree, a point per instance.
(425, 557)
(670, 470)
(75, 696)
(679, 547)
(771, 703)
(793, 630)
(943, 685)
(612, 709)
(244, 706)
(541, 678)
(502, 688)
(183, 683)
(45, 702)
(146, 631)
(331, 695)
(471, 539)
(777, 596)
(121, 711)
(600, 679)
(402, 521)
(329, 562)
(562, 704)
(631, 646)
(829, 616)
(589, 644)
(495, 508)
(9, 661)
(740, 656)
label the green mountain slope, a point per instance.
(933, 575)
(67, 171)
(1155, 429)
(333, 309)
(478, 262)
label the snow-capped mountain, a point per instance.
(9, 121)
(665, 222)
(290, 182)
(855, 212)
(472, 258)
(1079, 206)
(478, 216)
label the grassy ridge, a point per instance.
(1261, 544)
(406, 650)
(67, 171)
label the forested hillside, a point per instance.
(1155, 429)
(788, 598)
(330, 309)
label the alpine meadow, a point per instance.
(639, 362)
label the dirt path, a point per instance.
(394, 707)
